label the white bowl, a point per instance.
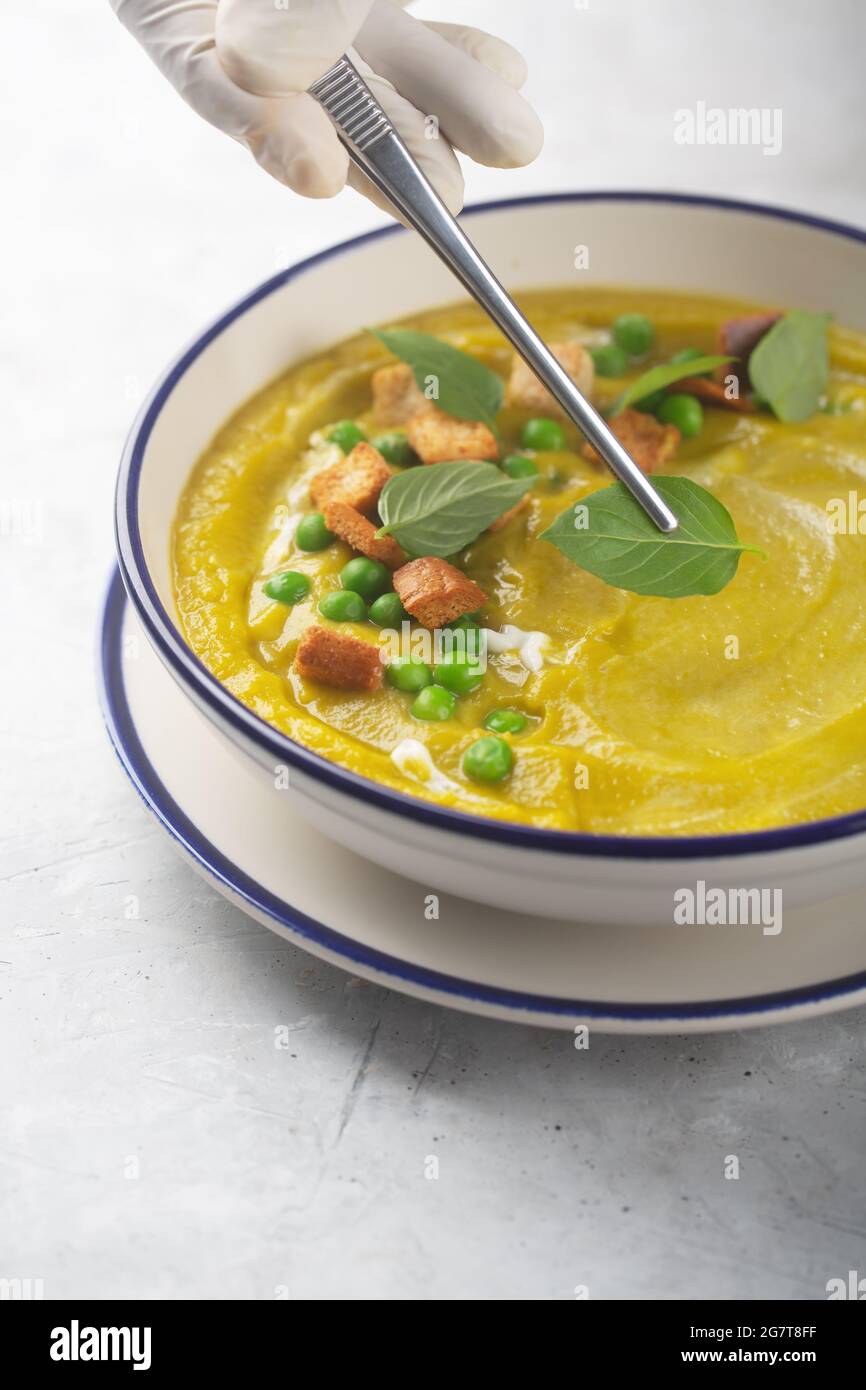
(677, 242)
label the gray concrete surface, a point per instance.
(153, 1140)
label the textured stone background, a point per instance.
(150, 1042)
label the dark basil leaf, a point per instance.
(665, 374)
(440, 508)
(608, 534)
(790, 366)
(459, 384)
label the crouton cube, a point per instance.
(396, 395)
(435, 592)
(353, 528)
(512, 512)
(356, 480)
(716, 393)
(526, 391)
(437, 438)
(738, 338)
(649, 442)
(333, 658)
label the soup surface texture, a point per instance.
(648, 716)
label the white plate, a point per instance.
(253, 844)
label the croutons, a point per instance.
(649, 442)
(715, 393)
(435, 592)
(737, 338)
(526, 391)
(437, 438)
(353, 528)
(396, 395)
(512, 512)
(356, 480)
(333, 658)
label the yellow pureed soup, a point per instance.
(649, 715)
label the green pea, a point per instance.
(395, 448)
(458, 674)
(433, 702)
(290, 587)
(467, 643)
(343, 606)
(387, 611)
(650, 404)
(488, 759)
(634, 334)
(369, 578)
(684, 411)
(546, 435)
(312, 533)
(610, 360)
(519, 466)
(505, 721)
(408, 673)
(347, 434)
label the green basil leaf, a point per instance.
(790, 365)
(440, 508)
(614, 539)
(459, 384)
(665, 374)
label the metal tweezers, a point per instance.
(374, 145)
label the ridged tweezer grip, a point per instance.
(350, 103)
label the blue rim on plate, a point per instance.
(352, 954)
(221, 704)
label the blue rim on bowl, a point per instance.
(220, 703)
(356, 955)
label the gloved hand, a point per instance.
(245, 65)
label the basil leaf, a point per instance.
(439, 508)
(619, 543)
(665, 374)
(463, 387)
(790, 365)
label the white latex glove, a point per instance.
(245, 65)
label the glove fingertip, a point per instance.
(451, 190)
(307, 176)
(523, 142)
(309, 166)
(488, 49)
